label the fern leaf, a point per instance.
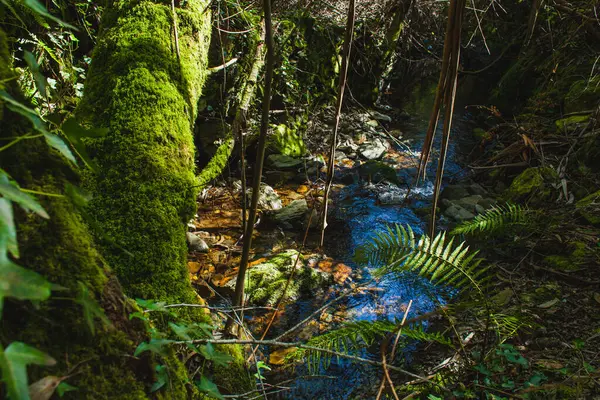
(438, 260)
(493, 219)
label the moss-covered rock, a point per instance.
(287, 141)
(569, 123)
(145, 191)
(589, 208)
(533, 184)
(267, 280)
(583, 95)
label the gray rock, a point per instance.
(195, 243)
(454, 192)
(477, 189)
(458, 214)
(373, 150)
(487, 203)
(268, 199)
(290, 215)
(372, 123)
(282, 161)
(389, 198)
(469, 202)
(380, 117)
(479, 209)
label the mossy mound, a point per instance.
(267, 280)
(533, 185)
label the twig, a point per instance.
(175, 30)
(312, 348)
(340, 100)
(223, 66)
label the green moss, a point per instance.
(267, 280)
(583, 95)
(287, 141)
(234, 378)
(560, 262)
(532, 184)
(217, 163)
(571, 122)
(589, 208)
(146, 189)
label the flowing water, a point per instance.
(359, 216)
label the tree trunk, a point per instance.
(146, 189)
(63, 251)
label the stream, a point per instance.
(359, 214)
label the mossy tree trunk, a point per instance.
(63, 251)
(146, 188)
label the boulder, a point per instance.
(294, 214)
(268, 199)
(469, 202)
(195, 243)
(458, 214)
(283, 161)
(267, 280)
(373, 150)
(454, 192)
(380, 117)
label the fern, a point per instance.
(355, 336)
(493, 219)
(439, 261)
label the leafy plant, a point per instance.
(438, 260)
(493, 219)
(14, 361)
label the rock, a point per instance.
(454, 192)
(290, 215)
(372, 123)
(268, 199)
(380, 117)
(487, 203)
(469, 202)
(267, 279)
(373, 150)
(477, 189)
(479, 209)
(534, 181)
(589, 208)
(284, 162)
(377, 171)
(390, 198)
(348, 146)
(458, 214)
(195, 243)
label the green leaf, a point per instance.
(21, 283)
(39, 78)
(59, 144)
(13, 193)
(27, 112)
(154, 346)
(91, 309)
(39, 8)
(64, 387)
(152, 305)
(8, 231)
(162, 377)
(14, 361)
(208, 387)
(208, 351)
(74, 132)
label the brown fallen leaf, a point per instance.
(193, 267)
(45, 387)
(597, 297)
(549, 364)
(549, 303)
(278, 356)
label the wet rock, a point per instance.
(268, 199)
(267, 280)
(372, 123)
(195, 243)
(293, 214)
(284, 162)
(373, 150)
(469, 202)
(380, 117)
(454, 192)
(487, 203)
(390, 198)
(377, 171)
(458, 214)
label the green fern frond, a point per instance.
(354, 336)
(508, 325)
(493, 219)
(440, 261)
